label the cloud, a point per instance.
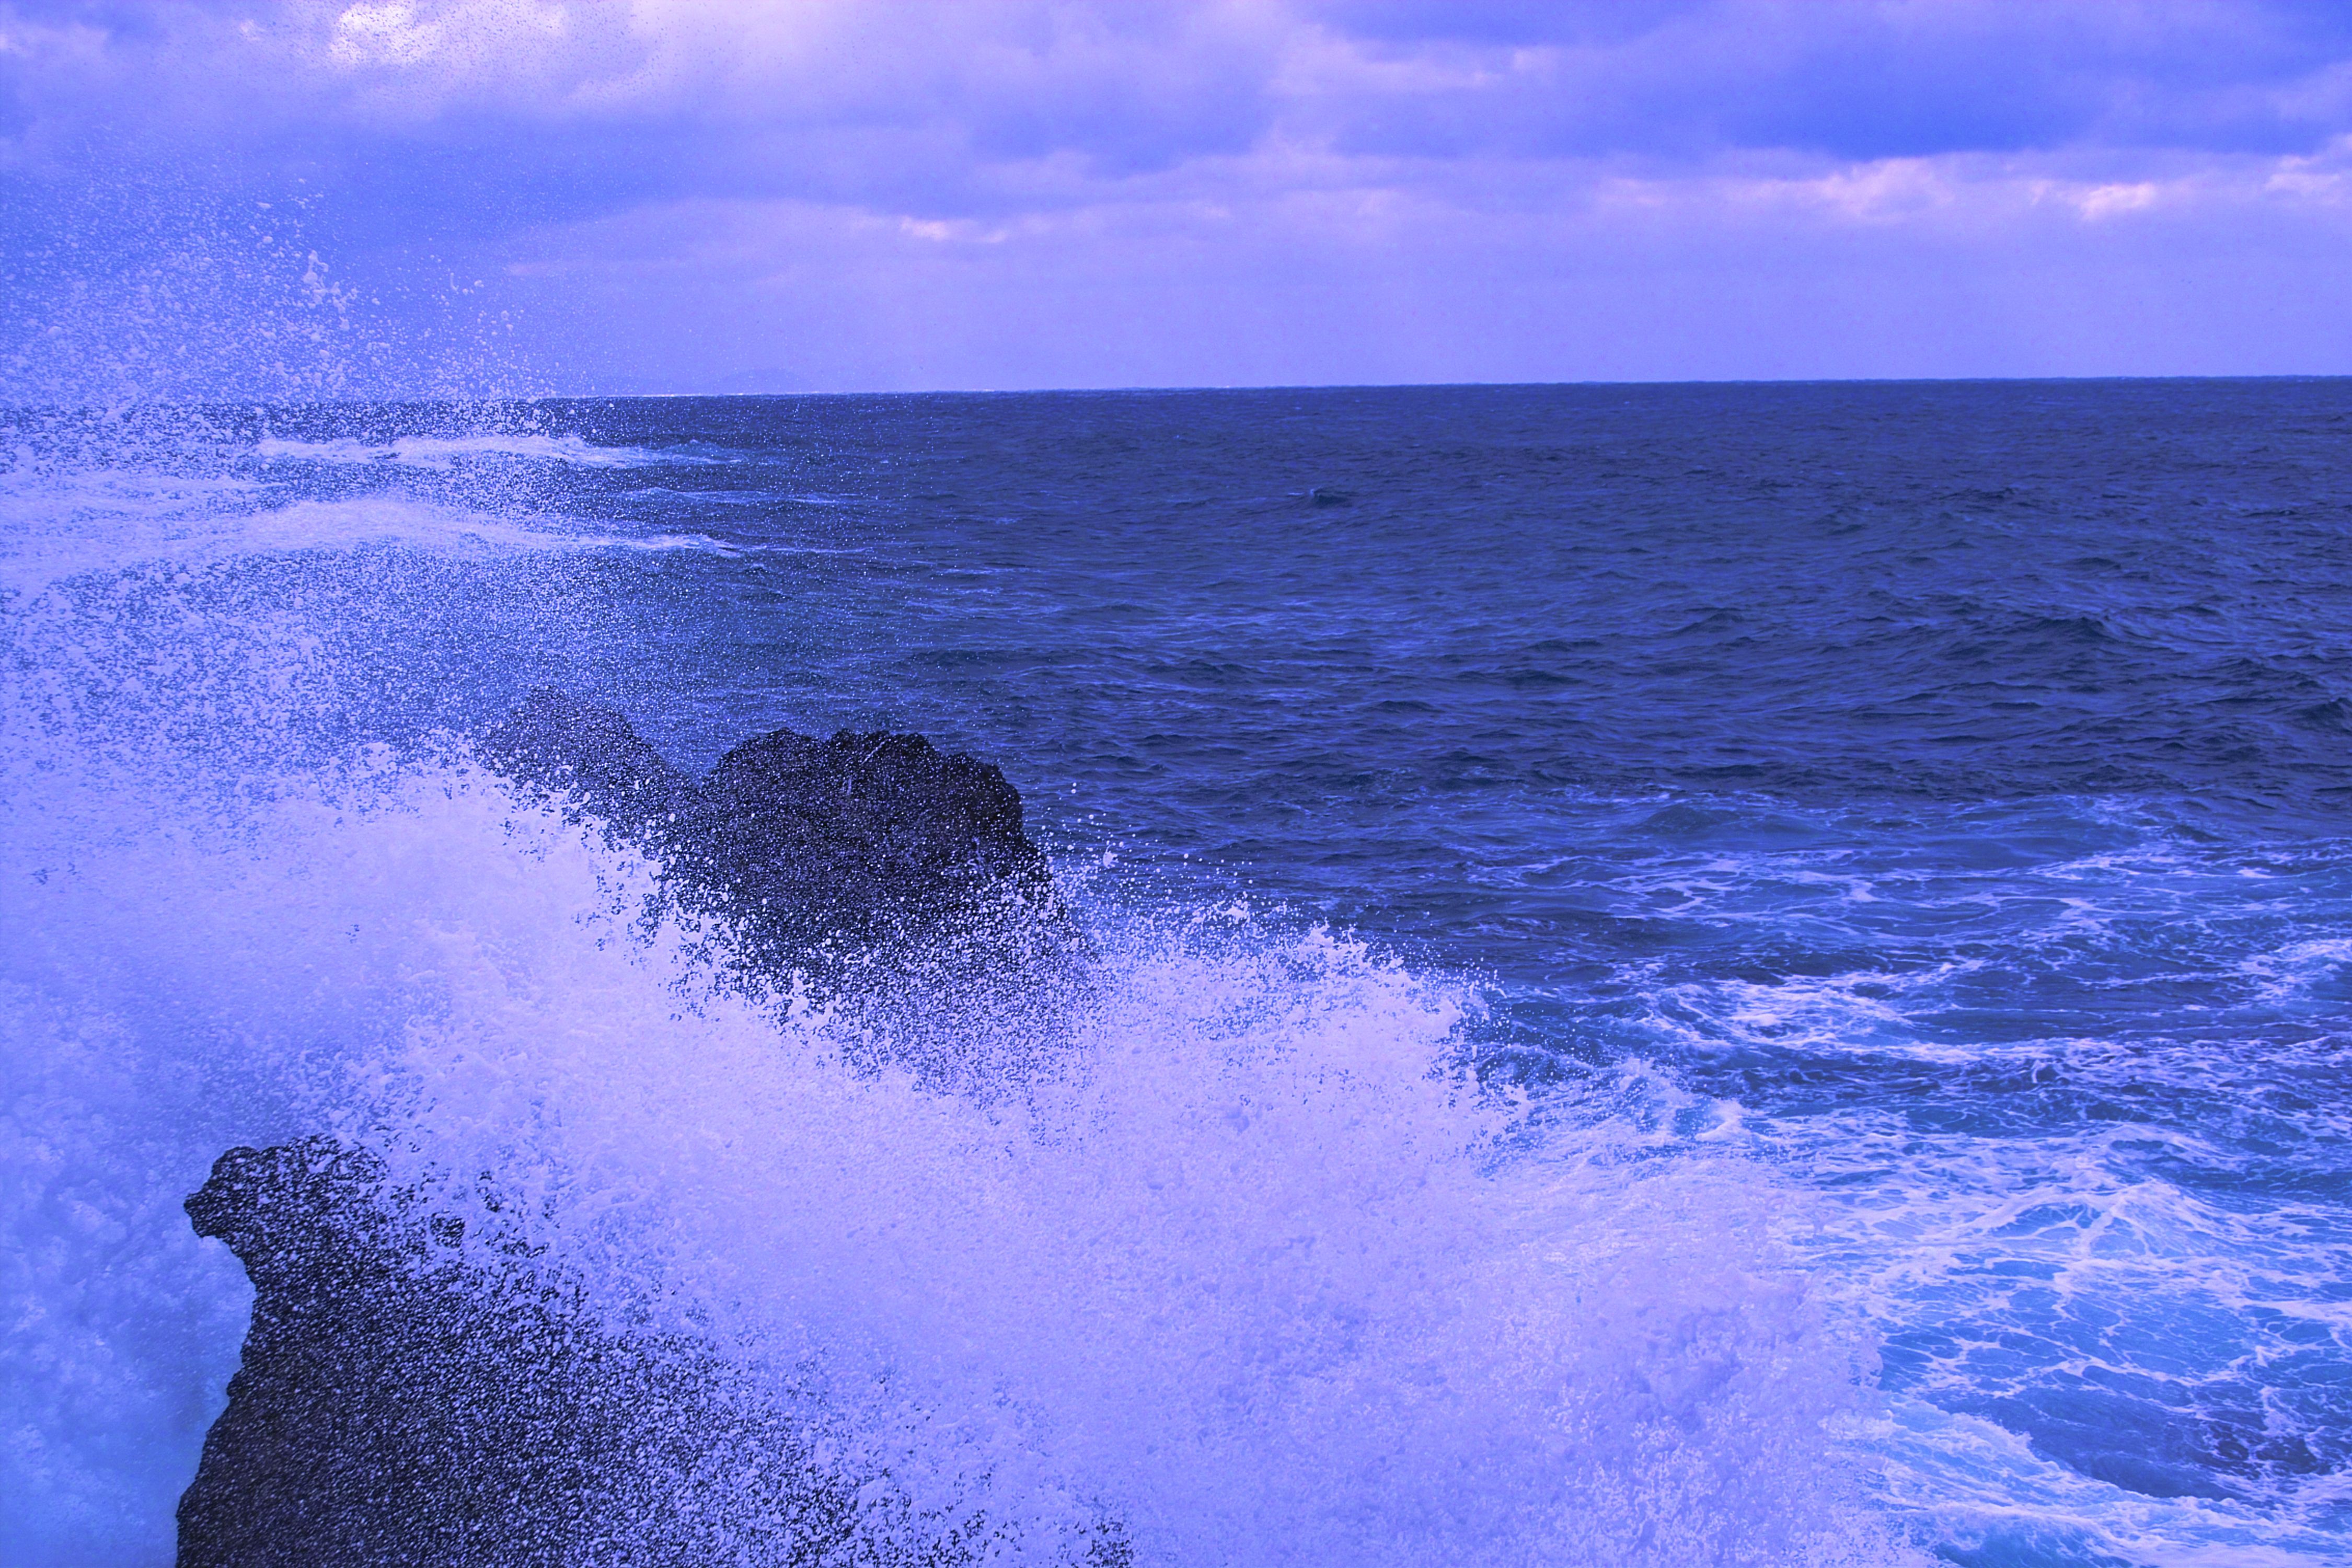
(532, 141)
(759, 98)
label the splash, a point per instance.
(1226, 1247)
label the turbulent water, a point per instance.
(1684, 975)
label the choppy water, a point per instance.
(1690, 975)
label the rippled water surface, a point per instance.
(1881, 849)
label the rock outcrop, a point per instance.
(395, 1406)
(866, 849)
(406, 1398)
(398, 1404)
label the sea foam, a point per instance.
(1225, 1243)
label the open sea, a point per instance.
(1732, 975)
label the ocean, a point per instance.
(1682, 974)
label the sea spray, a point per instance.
(1223, 1241)
(1248, 1267)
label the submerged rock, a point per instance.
(869, 847)
(398, 1404)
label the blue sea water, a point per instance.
(1689, 974)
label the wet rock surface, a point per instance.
(868, 847)
(401, 1403)
(396, 1405)
(405, 1399)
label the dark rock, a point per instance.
(592, 754)
(397, 1407)
(399, 1404)
(863, 840)
(407, 1397)
(870, 849)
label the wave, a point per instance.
(131, 524)
(1243, 1271)
(1231, 1251)
(446, 451)
(2072, 1114)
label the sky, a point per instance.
(202, 198)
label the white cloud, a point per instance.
(1222, 168)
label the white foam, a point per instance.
(2114, 1233)
(1987, 1491)
(445, 451)
(48, 539)
(1252, 1274)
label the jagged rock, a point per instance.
(400, 1406)
(861, 839)
(405, 1399)
(396, 1405)
(590, 753)
(866, 845)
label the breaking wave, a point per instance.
(1233, 1249)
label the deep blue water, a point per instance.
(1925, 803)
